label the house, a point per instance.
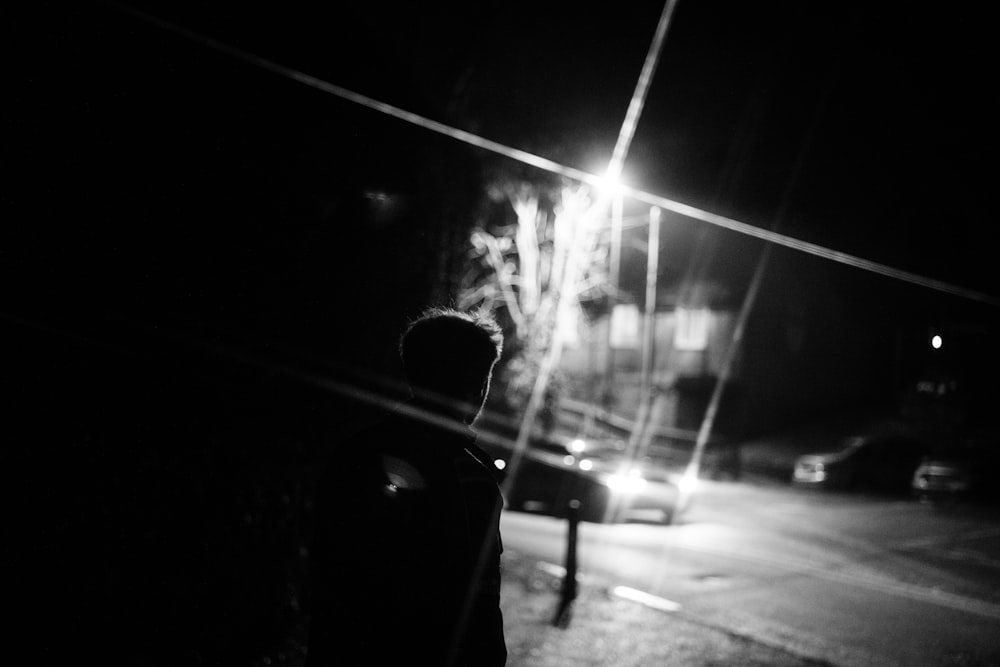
(803, 353)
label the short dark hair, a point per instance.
(450, 352)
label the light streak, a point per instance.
(638, 100)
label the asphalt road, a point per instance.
(844, 579)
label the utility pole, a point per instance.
(614, 275)
(648, 335)
(649, 312)
(637, 441)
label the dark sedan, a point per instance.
(882, 463)
(609, 487)
(968, 473)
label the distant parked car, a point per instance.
(882, 463)
(962, 474)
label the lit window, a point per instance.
(691, 332)
(625, 326)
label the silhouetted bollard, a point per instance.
(568, 592)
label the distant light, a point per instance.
(577, 446)
(569, 460)
(500, 464)
(586, 464)
(936, 342)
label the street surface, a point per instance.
(849, 580)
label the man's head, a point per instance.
(448, 357)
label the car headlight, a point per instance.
(630, 483)
(687, 484)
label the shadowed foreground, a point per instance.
(604, 630)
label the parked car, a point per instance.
(962, 474)
(882, 463)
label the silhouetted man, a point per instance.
(407, 557)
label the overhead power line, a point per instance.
(563, 170)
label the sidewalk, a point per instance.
(607, 630)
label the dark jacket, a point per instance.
(407, 556)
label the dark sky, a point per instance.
(165, 162)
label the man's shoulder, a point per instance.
(376, 435)
(394, 442)
(409, 428)
(405, 438)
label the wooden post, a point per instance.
(567, 594)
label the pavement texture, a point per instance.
(605, 628)
(600, 628)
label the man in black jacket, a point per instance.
(407, 555)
